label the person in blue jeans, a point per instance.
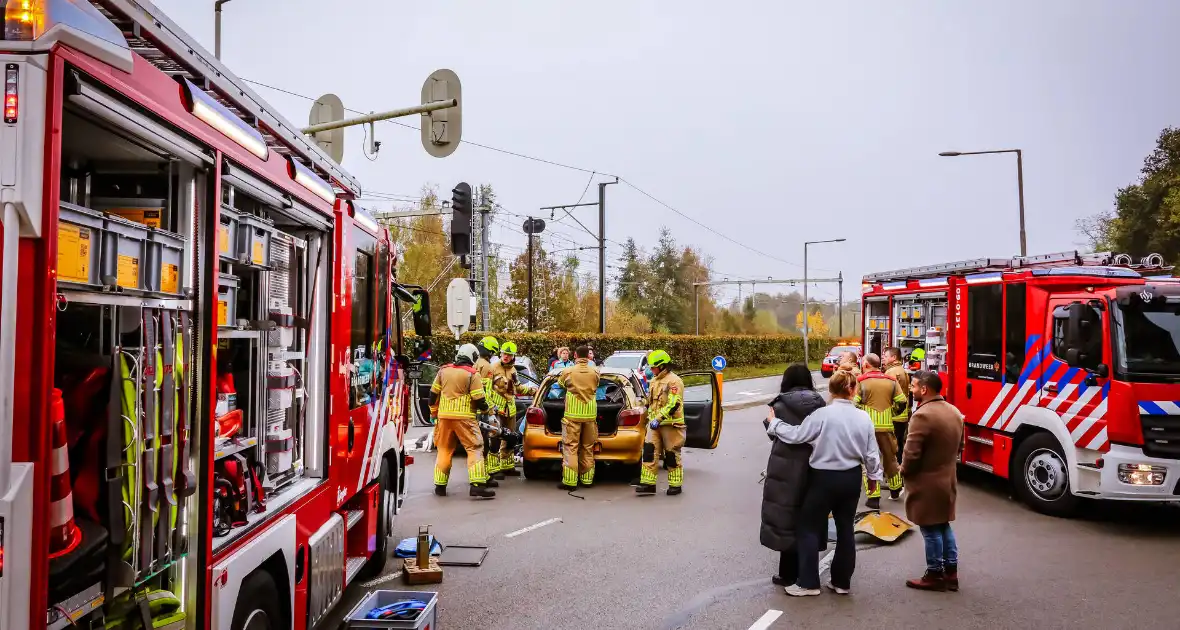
(928, 466)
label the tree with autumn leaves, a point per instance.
(650, 292)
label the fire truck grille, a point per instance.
(1161, 436)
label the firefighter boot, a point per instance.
(674, 490)
(440, 490)
(481, 491)
(644, 488)
(510, 472)
(874, 503)
(952, 577)
(931, 581)
(491, 482)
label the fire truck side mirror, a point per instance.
(421, 312)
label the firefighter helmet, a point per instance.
(490, 344)
(658, 358)
(918, 354)
(508, 348)
(467, 353)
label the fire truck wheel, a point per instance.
(258, 604)
(385, 505)
(1042, 479)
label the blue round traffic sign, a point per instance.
(719, 363)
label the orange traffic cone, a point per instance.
(64, 535)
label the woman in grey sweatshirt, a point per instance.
(842, 441)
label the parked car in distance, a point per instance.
(828, 366)
(621, 428)
(630, 359)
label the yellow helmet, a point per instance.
(658, 358)
(490, 344)
(508, 348)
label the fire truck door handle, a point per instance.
(351, 434)
(968, 390)
(1051, 387)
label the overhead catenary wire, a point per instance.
(590, 172)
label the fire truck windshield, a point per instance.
(1147, 336)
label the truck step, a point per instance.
(352, 517)
(980, 465)
(353, 567)
(980, 440)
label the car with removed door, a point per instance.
(621, 426)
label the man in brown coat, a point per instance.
(928, 467)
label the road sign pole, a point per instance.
(529, 235)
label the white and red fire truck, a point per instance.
(1066, 366)
(202, 389)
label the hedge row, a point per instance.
(689, 352)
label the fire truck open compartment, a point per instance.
(132, 211)
(125, 351)
(271, 254)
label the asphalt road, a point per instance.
(615, 560)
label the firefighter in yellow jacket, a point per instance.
(488, 347)
(882, 398)
(455, 396)
(666, 431)
(895, 369)
(579, 427)
(504, 389)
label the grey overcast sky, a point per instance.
(772, 122)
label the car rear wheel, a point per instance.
(532, 470)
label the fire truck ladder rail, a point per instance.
(980, 265)
(153, 36)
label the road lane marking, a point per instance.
(765, 620)
(531, 528)
(383, 579)
(825, 562)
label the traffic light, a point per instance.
(461, 219)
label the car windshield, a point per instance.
(842, 349)
(1148, 336)
(623, 360)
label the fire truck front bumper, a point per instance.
(1129, 475)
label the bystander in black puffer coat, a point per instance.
(786, 471)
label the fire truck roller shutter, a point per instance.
(130, 121)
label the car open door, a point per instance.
(524, 401)
(427, 372)
(702, 411)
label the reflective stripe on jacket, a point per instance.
(666, 399)
(457, 386)
(581, 387)
(880, 396)
(898, 372)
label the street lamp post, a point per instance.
(217, 27)
(1019, 184)
(806, 348)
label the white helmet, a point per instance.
(467, 352)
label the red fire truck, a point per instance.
(202, 385)
(1066, 366)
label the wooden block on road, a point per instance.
(432, 574)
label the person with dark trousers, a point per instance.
(842, 441)
(929, 467)
(787, 472)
